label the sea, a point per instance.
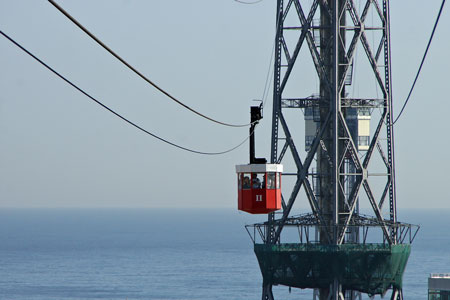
(165, 254)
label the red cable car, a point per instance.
(259, 188)
(259, 183)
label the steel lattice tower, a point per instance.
(335, 174)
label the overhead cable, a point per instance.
(137, 72)
(421, 64)
(115, 113)
(243, 2)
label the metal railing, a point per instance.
(308, 230)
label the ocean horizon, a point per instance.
(165, 254)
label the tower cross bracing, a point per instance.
(338, 167)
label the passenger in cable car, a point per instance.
(246, 184)
(256, 181)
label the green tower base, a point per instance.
(368, 268)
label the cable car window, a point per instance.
(258, 181)
(278, 180)
(271, 180)
(246, 181)
(239, 181)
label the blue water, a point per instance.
(163, 254)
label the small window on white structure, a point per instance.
(308, 113)
(363, 140)
(309, 139)
(364, 111)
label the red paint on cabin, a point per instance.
(259, 196)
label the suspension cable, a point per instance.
(65, 13)
(115, 113)
(421, 64)
(268, 77)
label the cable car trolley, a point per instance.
(259, 183)
(259, 188)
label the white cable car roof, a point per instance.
(259, 168)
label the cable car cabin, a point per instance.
(259, 188)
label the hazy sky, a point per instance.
(59, 149)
